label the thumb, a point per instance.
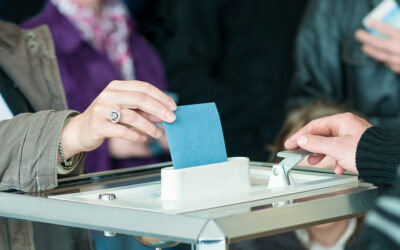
(319, 144)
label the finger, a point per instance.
(371, 40)
(394, 67)
(384, 28)
(148, 116)
(339, 170)
(321, 145)
(112, 130)
(326, 126)
(315, 159)
(133, 119)
(375, 53)
(138, 100)
(145, 88)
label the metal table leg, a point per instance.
(211, 238)
(211, 245)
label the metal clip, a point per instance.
(280, 173)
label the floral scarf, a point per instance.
(108, 32)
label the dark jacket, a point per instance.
(378, 162)
(238, 54)
(331, 66)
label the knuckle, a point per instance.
(97, 110)
(312, 125)
(113, 83)
(105, 95)
(348, 116)
(146, 86)
(140, 97)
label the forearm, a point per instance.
(378, 156)
(69, 138)
(29, 150)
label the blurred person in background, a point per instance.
(96, 42)
(238, 54)
(334, 235)
(338, 61)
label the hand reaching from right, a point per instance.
(336, 135)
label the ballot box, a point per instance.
(130, 202)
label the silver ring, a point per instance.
(115, 116)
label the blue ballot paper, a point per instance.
(196, 138)
(388, 11)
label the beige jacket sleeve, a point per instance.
(29, 150)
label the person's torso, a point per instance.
(368, 85)
(85, 72)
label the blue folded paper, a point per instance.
(196, 137)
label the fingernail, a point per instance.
(170, 116)
(159, 133)
(302, 140)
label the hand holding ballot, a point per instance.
(335, 135)
(385, 50)
(137, 106)
(382, 41)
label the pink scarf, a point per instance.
(108, 32)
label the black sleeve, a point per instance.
(378, 156)
(378, 161)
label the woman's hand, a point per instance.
(123, 149)
(163, 142)
(140, 105)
